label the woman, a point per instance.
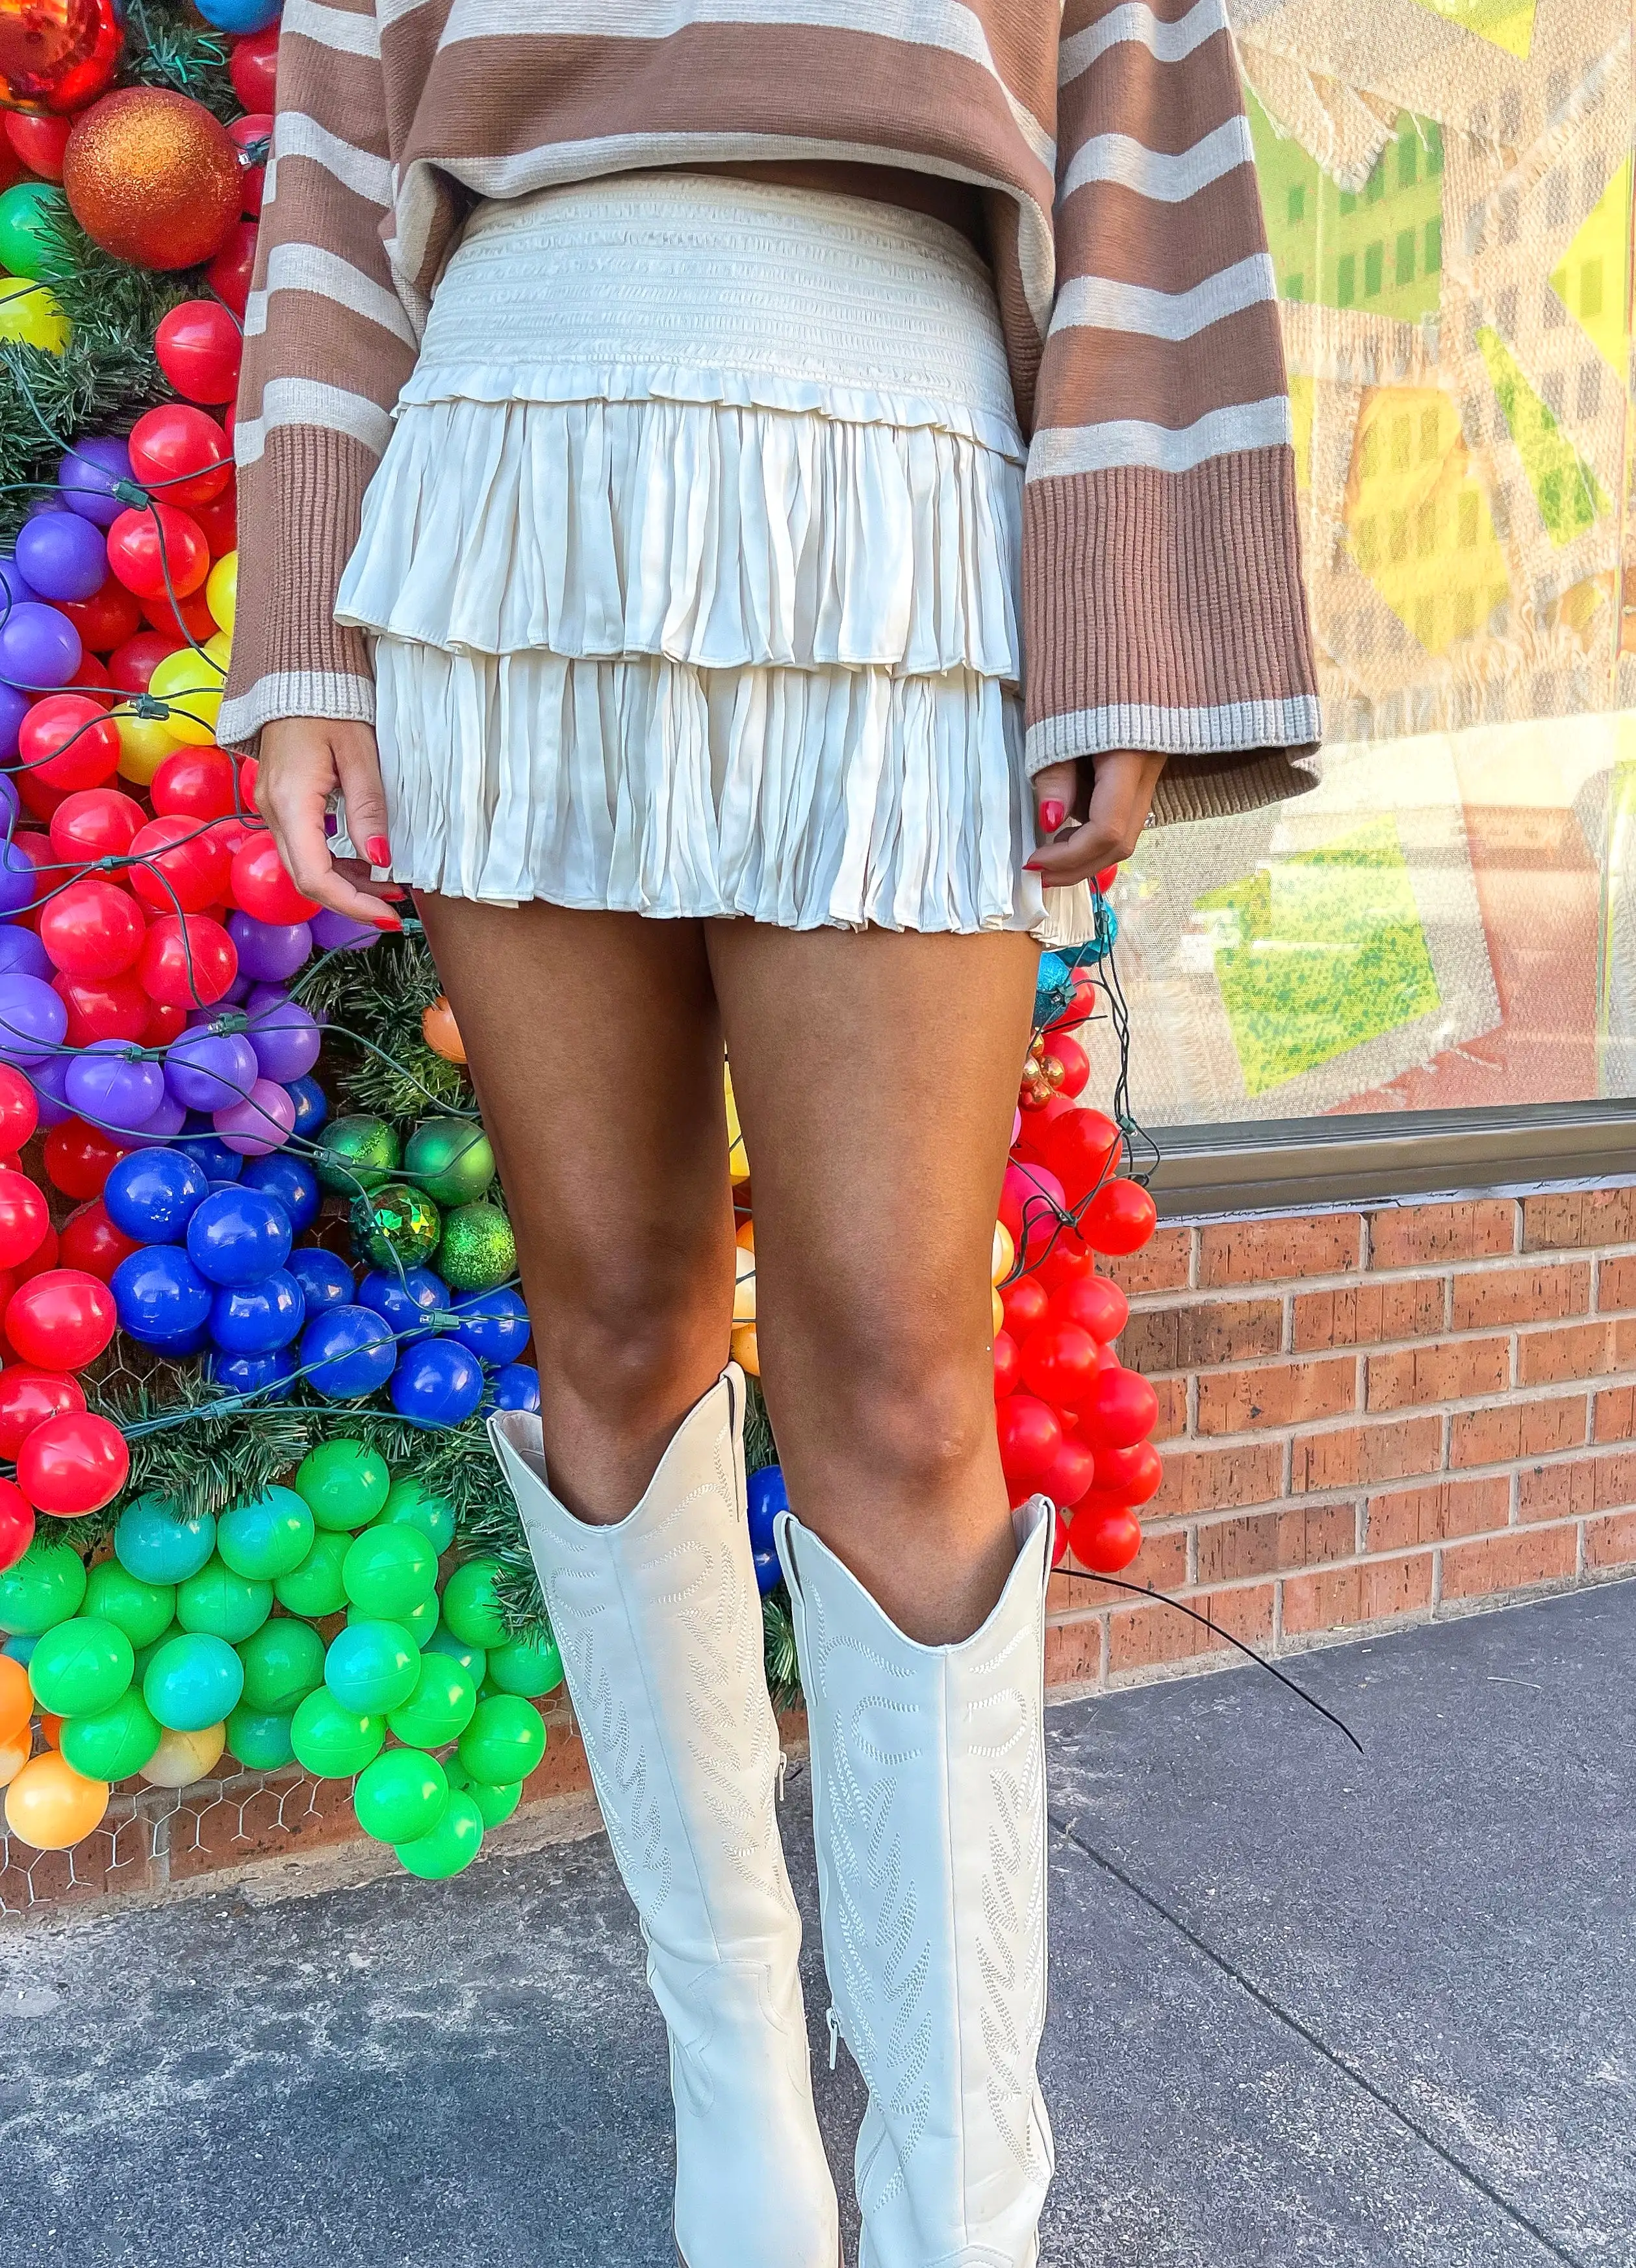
(633, 437)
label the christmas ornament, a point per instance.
(493, 1324)
(62, 555)
(155, 1544)
(451, 1159)
(478, 1249)
(160, 1296)
(531, 1667)
(221, 1604)
(401, 1795)
(372, 1665)
(451, 1845)
(440, 1708)
(56, 55)
(269, 1537)
(389, 1571)
(238, 1236)
(261, 1739)
(404, 1298)
(347, 1352)
(396, 1225)
(495, 1805)
(504, 1740)
(325, 1280)
(283, 1662)
(42, 1588)
(143, 1611)
(331, 1741)
(49, 1805)
(61, 1320)
(359, 1153)
(441, 1033)
(254, 66)
(470, 1611)
(17, 1524)
(74, 1464)
(408, 1505)
(30, 245)
(40, 648)
(343, 1483)
(184, 1757)
(198, 344)
(111, 1743)
(151, 177)
(160, 552)
(437, 1382)
(81, 1666)
(193, 1682)
(314, 1588)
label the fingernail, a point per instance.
(1031, 866)
(1052, 813)
(377, 850)
(387, 920)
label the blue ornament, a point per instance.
(256, 1318)
(517, 1386)
(325, 1280)
(238, 1236)
(405, 1300)
(767, 1572)
(220, 1163)
(237, 17)
(347, 1352)
(767, 1496)
(152, 1542)
(437, 1382)
(270, 1375)
(159, 1294)
(493, 1324)
(20, 1649)
(312, 1106)
(153, 1194)
(177, 1349)
(294, 1184)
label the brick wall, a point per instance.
(1369, 1418)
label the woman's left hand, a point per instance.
(1110, 794)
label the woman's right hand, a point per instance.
(304, 761)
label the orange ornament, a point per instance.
(17, 1700)
(14, 1756)
(49, 1805)
(56, 54)
(153, 178)
(441, 1033)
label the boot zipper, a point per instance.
(834, 2022)
(783, 1760)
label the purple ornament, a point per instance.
(264, 1122)
(237, 993)
(34, 1018)
(110, 1085)
(16, 879)
(334, 932)
(14, 706)
(50, 1081)
(39, 647)
(167, 1120)
(210, 1071)
(14, 585)
(22, 954)
(269, 950)
(283, 1034)
(62, 555)
(87, 476)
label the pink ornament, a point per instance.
(263, 1121)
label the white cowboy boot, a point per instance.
(659, 1625)
(929, 1808)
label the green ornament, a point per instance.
(28, 245)
(419, 1621)
(344, 1482)
(453, 1844)
(81, 1666)
(315, 1588)
(43, 1587)
(440, 1708)
(331, 1741)
(503, 1741)
(283, 1662)
(144, 1611)
(401, 1796)
(225, 1604)
(478, 1249)
(269, 1537)
(472, 1658)
(395, 1226)
(145, 1653)
(356, 1153)
(260, 1738)
(409, 1505)
(496, 1804)
(469, 1607)
(153, 1543)
(193, 1681)
(390, 1571)
(114, 1742)
(530, 1666)
(451, 1159)
(371, 1666)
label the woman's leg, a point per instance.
(876, 1078)
(595, 1044)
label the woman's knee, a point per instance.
(913, 1407)
(630, 1340)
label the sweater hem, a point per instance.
(1227, 728)
(295, 693)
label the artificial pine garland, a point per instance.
(374, 1002)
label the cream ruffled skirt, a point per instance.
(691, 567)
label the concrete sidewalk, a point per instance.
(1306, 2007)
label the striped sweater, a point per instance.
(1162, 601)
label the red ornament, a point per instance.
(1095, 1305)
(60, 1321)
(187, 960)
(1068, 1260)
(105, 619)
(163, 1024)
(79, 1158)
(262, 885)
(195, 784)
(147, 547)
(1076, 1064)
(23, 1219)
(252, 137)
(181, 451)
(1069, 1475)
(131, 666)
(219, 520)
(151, 176)
(1120, 1218)
(199, 347)
(254, 67)
(92, 930)
(27, 1398)
(234, 833)
(1104, 1540)
(91, 1243)
(1030, 1435)
(99, 822)
(17, 1524)
(1121, 1409)
(73, 1464)
(67, 741)
(189, 622)
(1131, 1475)
(92, 680)
(1005, 1365)
(1081, 1148)
(20, 1112)
(229, 274)
(43, 1256)
(39, 142)
(116, 1008)
(1025, 1302)
(56, 54)
(185, 870)
(1059, 1363)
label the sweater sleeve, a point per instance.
(1163, 602)
(327, 346)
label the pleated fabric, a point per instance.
(676, 638)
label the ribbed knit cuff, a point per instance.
(301, 693)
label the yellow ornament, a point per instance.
(744, 1285)
(143, 744)
(745, 1353)
(738, 1164)
(1004, 1255)
(221, 591)
(192, 683)
(220, 648)
(181, 1758)
(33, 313)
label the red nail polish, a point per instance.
(387, 920)
(377, 850)
(1052, 813)
(1031, 866)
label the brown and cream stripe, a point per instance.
(1109, 151)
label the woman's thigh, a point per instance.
(595, 1046)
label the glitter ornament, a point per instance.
(478, 1248)
(359, 1153)
(396, 1224)
(56, 55)
(152, 177)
